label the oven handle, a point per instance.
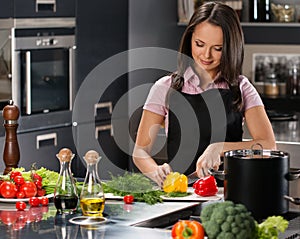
(103, 105)
(104, 128)
(43, 137)
(28, 82)
(71, 74)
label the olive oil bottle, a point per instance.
(92, 198)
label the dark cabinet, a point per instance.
(101, 34)
(6, 9)
(41, 147)
(40, 8)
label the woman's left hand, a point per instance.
(210, 159)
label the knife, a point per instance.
(193, 177)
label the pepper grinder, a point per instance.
(11, 152)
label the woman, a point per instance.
(214, 41)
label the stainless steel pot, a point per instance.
(259, 179)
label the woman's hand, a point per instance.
(160, 174)
(209, 159)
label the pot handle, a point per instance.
(217, 174)
(293, 175)
(292, 200)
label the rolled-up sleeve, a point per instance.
(251, 97)
(156, 100)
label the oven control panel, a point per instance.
(46, 42)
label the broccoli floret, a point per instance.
(226, 219)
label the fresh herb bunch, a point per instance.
(136, 184)
(177, 194)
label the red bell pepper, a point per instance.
(206, 186)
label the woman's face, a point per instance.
(207, 42)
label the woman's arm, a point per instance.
(260, 130)
(147, 132)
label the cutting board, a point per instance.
(192, 197)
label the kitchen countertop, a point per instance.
(137, 220)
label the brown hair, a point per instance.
(230, 68)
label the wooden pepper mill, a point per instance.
(11, 152)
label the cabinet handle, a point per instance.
(103, 128)
(44, 137)
(103, 105)
(45, 5)
(28, 82)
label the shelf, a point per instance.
(269, 32)
(270, 24)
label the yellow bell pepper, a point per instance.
(175, 182)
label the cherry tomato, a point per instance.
(34, 201)
(187, 229)
(29, 189)
(20, 194)
(41, 192)
(37, 177)
(128, 199)
(38, 184)
(14, 174)
(8, 189)
(19, 180)
(44, 201)
(21, 206)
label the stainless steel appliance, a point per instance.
(37, 64)
(37, 58)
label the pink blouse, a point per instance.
(156, 100)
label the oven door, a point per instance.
(45, 80)
(44, 72)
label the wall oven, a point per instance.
(37, 58)
(44, 65)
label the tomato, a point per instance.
(20, 194)
(34, 201)
(20, 206)
(41, 192)
(37, 177)
(13, 174)
(128, 199)
(187, 229)
(44, 201)
(206, 186)
(8, 189)
(19, 180)
(38, 184)
(29, 189)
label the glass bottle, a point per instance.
(259, 10)
(65, 193)
(292, 85)
(92, 198)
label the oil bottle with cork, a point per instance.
(65, 193)
(92, 198)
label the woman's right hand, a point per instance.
(160, 174)
(210, 159)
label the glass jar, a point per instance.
(92, 198)
(271, 86)
(65, 193)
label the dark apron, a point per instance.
(195, 121)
